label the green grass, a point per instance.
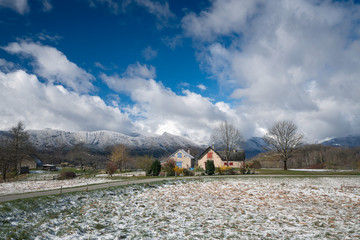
(265, 171)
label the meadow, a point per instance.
(210, 208)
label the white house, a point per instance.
(183, 159)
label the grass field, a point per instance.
(211, 208)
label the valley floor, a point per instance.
(223, 208)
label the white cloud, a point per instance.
(6, 66)
(53, 65)
(223, 18)
(42, 105)
(20, 6)
(202, 87)
(285, 60)
(149, 53)
(158, 109)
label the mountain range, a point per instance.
(100, 141)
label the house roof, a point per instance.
(186, 154)
(234, 156)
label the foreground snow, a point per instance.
(243, 208)
(32, 186)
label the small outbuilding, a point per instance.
(49, 167)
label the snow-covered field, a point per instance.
(32, 186)
(234, 208)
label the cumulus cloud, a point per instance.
(42, 105)
(285, 60)
(158, 109)
(6, 66)
(19, 6)
(53, 65)
(223, 18)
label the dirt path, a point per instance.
(13, 197)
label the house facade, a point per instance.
(236, 160)
(183, 159)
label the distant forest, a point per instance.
(315, 156)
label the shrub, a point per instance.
(178, 171)
(210, 167)
(169, 167)
(155, 168)
(111, 168)
(243, 168)
(187, 172)
(66, 175)
(225, 170)
(255, 164)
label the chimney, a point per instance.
(188, 151)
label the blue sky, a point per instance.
(154, 66)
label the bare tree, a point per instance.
(144, 162)
(120, 156)
(14, 146)
(228, 137)
(5, 156)
(79, 154)
(19, 144)
(284, 138)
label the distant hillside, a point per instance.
(254, 146)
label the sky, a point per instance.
(182, 67)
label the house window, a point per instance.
(231, 163)
(179, 155)
(210, 155)
(225, 164)
(179, 164)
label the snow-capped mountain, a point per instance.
(49, 139)
(349, 141)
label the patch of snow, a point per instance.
(319, 170)
(239, 208)
(32, 186)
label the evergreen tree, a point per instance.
(210, 167)
(155, 168)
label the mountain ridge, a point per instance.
(101, 140)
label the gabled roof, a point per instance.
(234, 156)
(186, 154)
